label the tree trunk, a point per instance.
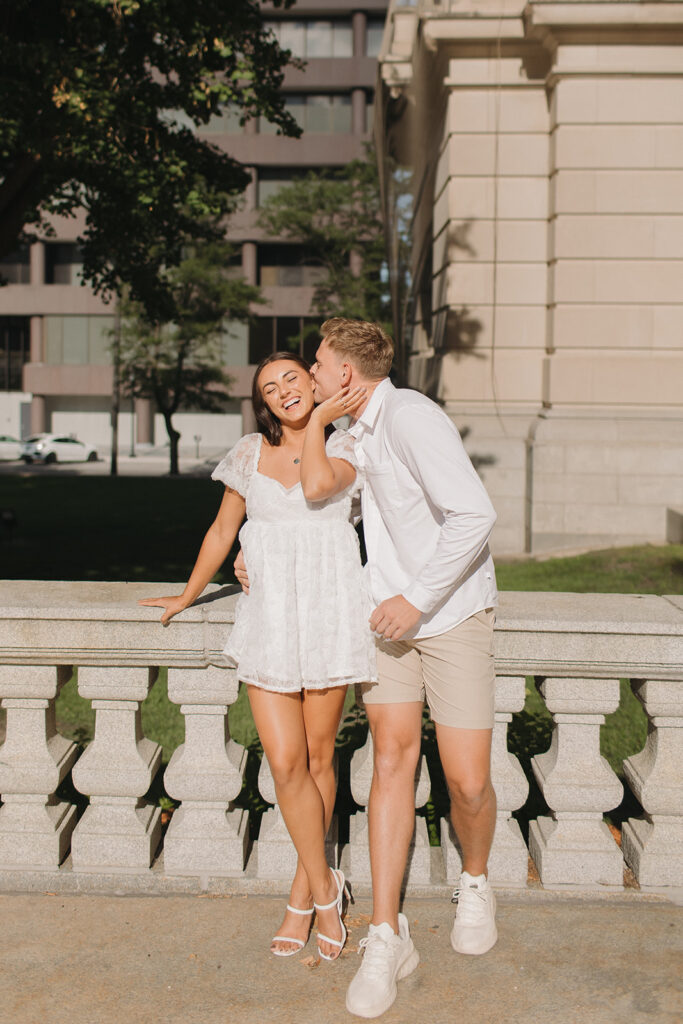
(115, 390)
(174, 438)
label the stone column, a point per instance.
(119, 831)
(37, 352)
(37, 263)
(144, 416)
(358, 112)
(575, 847)
(479, 343)
(250, 262)
(276, 856)
(38, 414)
(357, 857)
(207, 836)
(508, 860)
(653, 845)
(359, 20)
(35, 827)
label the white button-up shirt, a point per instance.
(426, 515)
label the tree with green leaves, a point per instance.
(336, 215)
(100, 102)
(179, 363)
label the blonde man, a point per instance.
(427, 520)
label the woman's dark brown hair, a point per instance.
(268, 424)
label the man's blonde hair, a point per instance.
(366, 345)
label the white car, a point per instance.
(57, 448)
(10, 448)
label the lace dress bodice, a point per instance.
(304, 623)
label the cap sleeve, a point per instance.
(342, 445)
(235, 469)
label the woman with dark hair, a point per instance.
(301, 634)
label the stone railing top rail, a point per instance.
(592, 635)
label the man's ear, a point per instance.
(345, 373)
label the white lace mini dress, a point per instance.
(304, 623)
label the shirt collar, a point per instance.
(368, 419)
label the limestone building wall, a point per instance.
(546, 141)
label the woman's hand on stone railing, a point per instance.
(171, 605)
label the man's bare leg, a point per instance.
(465, 756)
(466, 760)
(396, 733)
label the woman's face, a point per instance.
(287, 390)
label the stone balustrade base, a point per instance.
(117, 838)
(654, 851)
(199, 838)
(35, 835)
(576, 852)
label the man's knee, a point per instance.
(470, 792)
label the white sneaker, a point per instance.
(388, 957)
(474, 929)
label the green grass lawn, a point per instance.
(150, 529)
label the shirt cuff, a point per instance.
(420, 597)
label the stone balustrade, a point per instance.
(577, 647)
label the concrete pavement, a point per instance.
(203, 959)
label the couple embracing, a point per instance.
(418, 626)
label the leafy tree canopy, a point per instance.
(100, 99)
(181, 364)
(337, 215)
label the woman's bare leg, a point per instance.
(280, 720)
(322, 711)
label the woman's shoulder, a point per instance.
(246, 445)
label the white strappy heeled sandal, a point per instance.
(338, 903)
(286, 938)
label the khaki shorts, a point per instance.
(454, 671)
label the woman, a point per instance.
(301, 635)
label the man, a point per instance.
(427, 520)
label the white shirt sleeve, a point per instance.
(430, 447)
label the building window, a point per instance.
(63, 263)
(16, 268)
(321, 113)
(271, 180)
(15, 350)
(283, 334)
(78, 340)
(373, 36)
(225, 123)
(313, 38)
(287, 266)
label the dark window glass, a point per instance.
(16, 268)
(14, 350)
(287, 266)
(261, 339)
(373, 36)
(63, 263)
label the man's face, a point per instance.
(327, 372)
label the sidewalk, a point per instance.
(560, 959)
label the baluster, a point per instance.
(35, 827)
(357, 857)
(119, 831)
(207, 835)
(275, 853)
(653, 845)
(508, 859)
(575, 847)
